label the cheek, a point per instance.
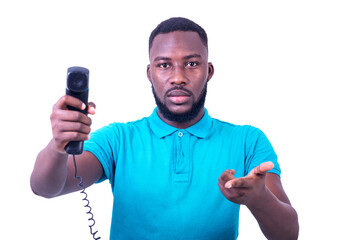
(200, 84)
(154, 82)
(158, 88)
(202, 77)
(157, 79)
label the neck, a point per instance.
(182, 125)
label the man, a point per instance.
(173, 173)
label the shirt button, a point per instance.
(180, 134)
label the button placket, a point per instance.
(181, 161)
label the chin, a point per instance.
(179, 109)
(182, 112)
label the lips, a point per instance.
(178, 96)
(177, 93)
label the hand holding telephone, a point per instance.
(77, 85)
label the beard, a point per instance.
(183, 117)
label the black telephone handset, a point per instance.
(77, 85)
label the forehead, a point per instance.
(177, 43)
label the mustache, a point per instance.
(178, 88)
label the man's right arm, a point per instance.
(53, 172)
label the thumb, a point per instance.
(262, 168)
(91, 108)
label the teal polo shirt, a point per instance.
(164, 180)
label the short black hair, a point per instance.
(178, 24)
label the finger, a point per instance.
(69, 116)
(68, 100)
(227, 175)
(74, 127)
(74, 136)
(221, 187)
(64, 138)
(91, 108)
(262, 168)
(243, 182)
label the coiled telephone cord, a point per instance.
(87, 205)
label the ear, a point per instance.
(210, 70)
(148, 74)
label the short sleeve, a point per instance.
(258, 150)
(103, 143)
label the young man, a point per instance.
(172, 174)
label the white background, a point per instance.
(290, 68)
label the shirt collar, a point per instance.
(161, 129)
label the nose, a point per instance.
(178, 76)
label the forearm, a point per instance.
(50, 172)
(277, 220)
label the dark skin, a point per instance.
(265, 197)
(53, 173)
(173, 61)
(176, 59)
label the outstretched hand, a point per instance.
(70, 125)
(245, 190)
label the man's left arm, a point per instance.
(265, 197)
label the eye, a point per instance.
(192, 64)
(163, 65)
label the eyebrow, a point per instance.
(162, 58)
(192, 56)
